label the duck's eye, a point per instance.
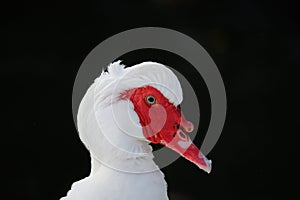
(150, 100)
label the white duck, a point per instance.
(121, 113)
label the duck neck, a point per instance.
(135, 157)
(117, 150)
(116, 141)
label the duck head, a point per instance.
(142, 103)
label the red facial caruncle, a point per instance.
(161, 122)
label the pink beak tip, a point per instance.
(208, 166)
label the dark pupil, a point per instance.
(150, 99)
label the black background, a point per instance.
(255, 44)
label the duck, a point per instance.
(123, 111)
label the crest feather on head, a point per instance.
(118, 79)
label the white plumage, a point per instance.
(122, 164)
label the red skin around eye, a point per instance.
(161, 121)
(142, 108)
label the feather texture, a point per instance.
(119, 161)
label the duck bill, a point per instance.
(161, 131)
(183, 145)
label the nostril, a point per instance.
(178, 126)
(182, 135)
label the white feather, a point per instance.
(122, 160)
